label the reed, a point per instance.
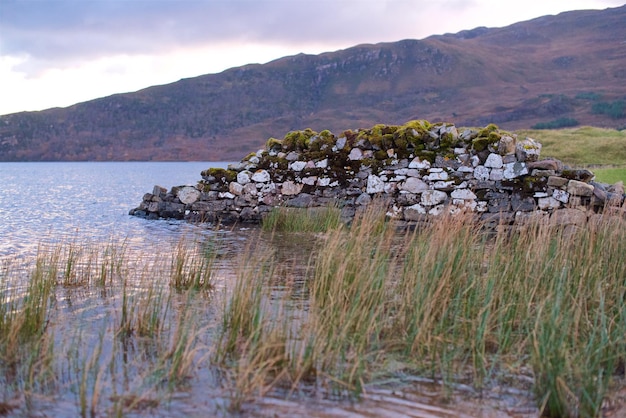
(317, 219)
(192, 265)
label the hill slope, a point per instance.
(569, 66)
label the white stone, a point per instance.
(465, 194)
(374, 184)
(235, 188)
(494, 161)
(475, 161)
(514, 170)
(310, 180)
(442, 184)
(437, 210)
(290, 188)
(437, 175)
(390, 188)
(261, 176)
(226, 195)
(268, 188)
(297, 165)
(561, 195)
(188, 195)
(544, 203)
(419, 164)
(540, 194)
(323, 181)
(481, 173)
(496, 174)
(254, 160)
(460, 151)
(243, 177)
(413, 172)
(355, 154)
(433, 197)
(322, 164)
(250, 188)
(341, 142)
(466, 169)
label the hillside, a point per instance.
(555, 68)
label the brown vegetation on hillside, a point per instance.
(555, 70)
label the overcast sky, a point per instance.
(60, 52)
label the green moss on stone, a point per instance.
(220, 174)
(274, 144)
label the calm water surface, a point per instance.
(42, 201)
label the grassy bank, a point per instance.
(603, 150)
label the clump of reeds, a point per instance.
(315, 219)
(455, 303)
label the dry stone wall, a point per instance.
(420, 169)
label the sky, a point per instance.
(55, 53)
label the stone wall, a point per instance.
(421, 169)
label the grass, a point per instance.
(446, 302)
(450, 302)
(317, 219)
(610, 175)
(40, 357)
(584, 146)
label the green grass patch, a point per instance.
(610, 175)
(317, 219)
(584, 146)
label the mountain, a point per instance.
(556, 70)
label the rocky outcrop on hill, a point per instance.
(419, 169)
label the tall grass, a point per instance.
(453, 303)
(316, 219)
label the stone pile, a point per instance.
(420, 169)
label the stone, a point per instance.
(579, 188)
(465, 194)
(243, 177)
(364, 199)
(188, 194)
(158, 190)
(375, 184)
(290, 188)
(235, 188)
(545, 203)
(568, 217)
(414, 212)
(297, 165)
(437, 175)
(413, 185)
(514, 170)
(527, 150)
(556, 181)
(481, 173)
(355, 154)
(419, 164)
(322, 164)
(506, 146)
(261, 176)
(561, 195)
(433, 197)
(494, 161)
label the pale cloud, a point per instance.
(59, 52)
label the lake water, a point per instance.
(48, 203)
(41, 201)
